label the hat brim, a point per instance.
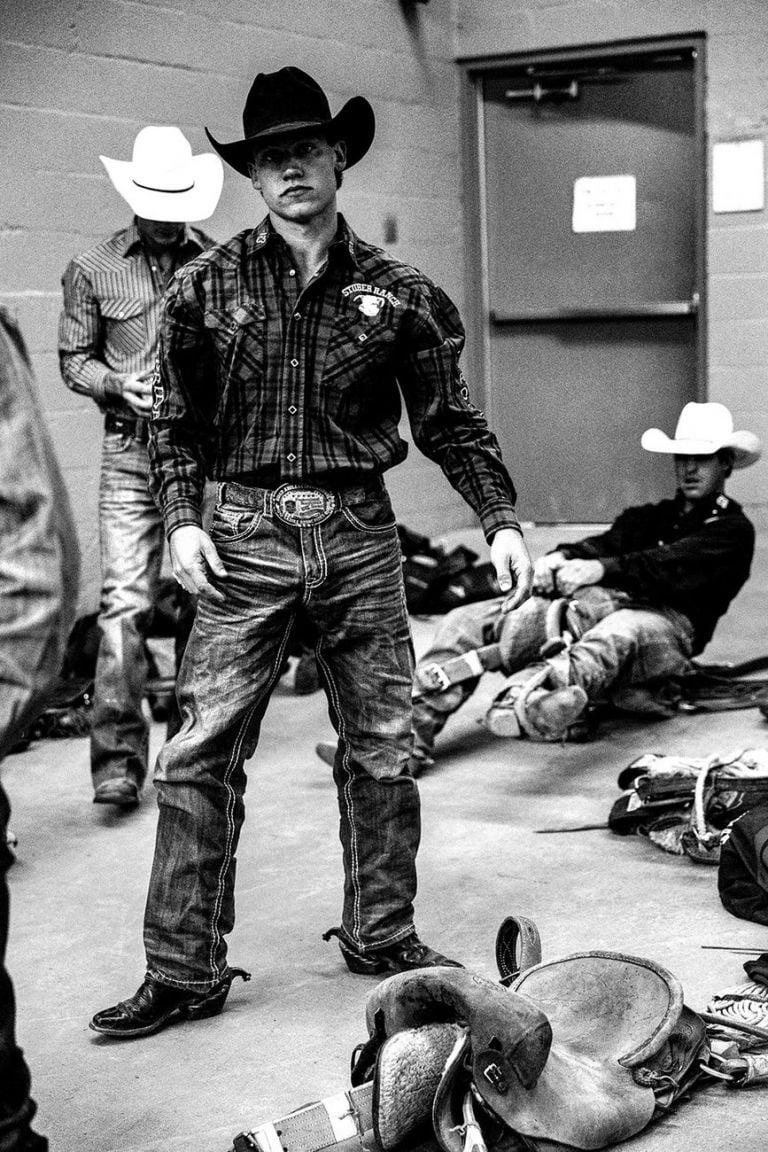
(744, 445)
(355, 124)
(197, 203)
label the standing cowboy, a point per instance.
(108, 337)
(282, 353)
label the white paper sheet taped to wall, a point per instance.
(738, 176)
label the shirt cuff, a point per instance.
(180, 513)
(611, 564)
(499, 518)
(105, 386)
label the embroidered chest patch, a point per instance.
(369, 305)
(369, 299)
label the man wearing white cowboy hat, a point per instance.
(643, 598)
(284, 353)
(107, 349)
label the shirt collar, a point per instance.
(346, 243)
(130, 239)
(702, 509)
(343, 246)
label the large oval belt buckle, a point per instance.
(303, 506)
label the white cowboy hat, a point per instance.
(702, 430)
(164, 181)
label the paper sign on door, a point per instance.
(605, 204)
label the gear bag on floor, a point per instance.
(742, 878)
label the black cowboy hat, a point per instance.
(290, 101)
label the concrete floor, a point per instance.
(285, 1038)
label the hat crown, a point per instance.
(288, 102)
(702, 430)
(288, 98)
(707, 422)
(162, 160)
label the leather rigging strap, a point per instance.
(343, 1122)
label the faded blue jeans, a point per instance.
(345, 576)
(621, 645)
(131, 533)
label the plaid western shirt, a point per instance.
(263, 383)
(112, 300)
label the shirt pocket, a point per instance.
(127, 326)
(359, 346)
(238, 337)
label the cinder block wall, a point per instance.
(81, 77)
(736, 108)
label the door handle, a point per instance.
(646, 310)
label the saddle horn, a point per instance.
(511, 1034)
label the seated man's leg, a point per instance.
(462, 630)
(630, 646)
(519, 635)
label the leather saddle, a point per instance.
(578, 1052)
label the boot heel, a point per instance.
(361, 965)
(211, 1005)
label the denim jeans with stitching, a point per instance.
(345, 576)
(131, 533)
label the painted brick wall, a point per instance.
(80, 77)
(736, 108)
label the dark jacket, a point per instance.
(39, 557)
(694, 562)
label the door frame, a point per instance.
(471, 111)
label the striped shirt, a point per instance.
(263, 382)
(112, 299)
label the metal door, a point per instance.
(592, 283)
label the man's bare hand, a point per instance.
(514, 570)
(573, 574)
(136, 390)
(193, 557)
(545, 573)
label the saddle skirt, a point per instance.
(577, 1051)
(610, 1014)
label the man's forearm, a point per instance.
(176, 479)
(88, 376)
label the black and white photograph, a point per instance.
(383, 576)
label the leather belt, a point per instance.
(127, 426)
(303, 505)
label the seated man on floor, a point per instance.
(644, 598)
